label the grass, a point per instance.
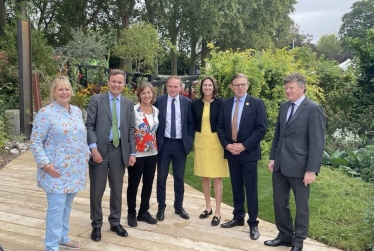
(338, 205)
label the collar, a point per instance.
(242, 99)
(170, 98)
(298, 102)
(111, 96)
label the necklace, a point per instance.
(147, 109)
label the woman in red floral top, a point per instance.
(146, 123)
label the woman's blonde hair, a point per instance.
(141, 88)
(63, 80)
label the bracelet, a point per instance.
(46, 167)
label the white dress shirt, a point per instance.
(178, 119)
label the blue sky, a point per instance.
(320, 17)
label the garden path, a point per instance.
(23, 207)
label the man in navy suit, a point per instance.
(175, 135)
(295, 160)
(241, 126)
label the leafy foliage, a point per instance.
(358, 20)
(357, 163)
(331, 47)
(140, 43)
(266, 70)
(42, 62)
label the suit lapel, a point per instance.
(246, 109)
(164, 105)
(182, 106)
(283, 114)
(229, 114)
(105, 101)
(122, 110)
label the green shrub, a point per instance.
(357, 163)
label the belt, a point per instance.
(172, 139)
(111, 141)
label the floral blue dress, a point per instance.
(60, 137)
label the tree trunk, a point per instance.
(173, 53)
(125, 63)
(2, 17)
(204, 53)
(193, 55)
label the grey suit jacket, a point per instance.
(99, 124)
(298, 147)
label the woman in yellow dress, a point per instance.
(208, 151)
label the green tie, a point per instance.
(115, 124)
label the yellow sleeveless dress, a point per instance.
(208, 151)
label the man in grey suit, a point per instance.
(110, 133)
(295, 160)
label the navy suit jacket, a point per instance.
(252, 128)
(186, 118)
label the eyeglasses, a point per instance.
(239, 85)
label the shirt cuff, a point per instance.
(92, 145)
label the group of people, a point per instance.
(159, 131)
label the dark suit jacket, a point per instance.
(298, 147)
(99, 124)
(186, 118)
(197, 112)
(252, 128)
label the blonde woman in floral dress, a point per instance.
(59, 146)
(146, 123)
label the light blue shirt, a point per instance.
(241, 105)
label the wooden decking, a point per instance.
(23, 208)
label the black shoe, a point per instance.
(183, 214)
(215, 221)
(119, 230)
(131, 220)
(277, 242)
(232, 223)
(147, 217)
(160, 216)
(254, 233)
(296, 249)
(205, 214)
(96, 234)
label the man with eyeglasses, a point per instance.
(241, 126)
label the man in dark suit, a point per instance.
(175, 135)
(242, 124)
(110, 133)
(295, 159)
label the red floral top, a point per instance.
(145, 135)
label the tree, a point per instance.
(290, 35)
(171, 16)
(139, 42)
(205, 12)
(358, 20)
(331, 47)
(252, 24)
